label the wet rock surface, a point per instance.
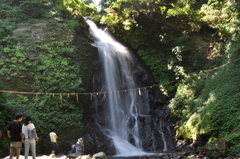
(156, 132)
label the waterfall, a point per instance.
(124, 113)
(121, 111)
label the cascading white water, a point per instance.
(124, 110)
(121, 112)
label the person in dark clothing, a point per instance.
(15, 135)
(73, 147)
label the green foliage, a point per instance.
(5, 117)
(5, 28)
(216, 147)
(51, 64)
(213, 98)
(48, 111)
(203, 100)
(221, 15)
(152, 27)
(233, 139)
(24, 10)
(70, 8)
(18, 13)
(50, 70)
(160, 70)
(35, 9)
(56, 69)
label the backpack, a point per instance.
(32, 134)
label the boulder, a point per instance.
(52, 156)
(99, 155)
(72, 155)
(216, 148)
(85, 157)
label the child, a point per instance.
(53, 138)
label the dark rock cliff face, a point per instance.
(154, 121)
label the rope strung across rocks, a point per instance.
(68, 94)
(97, 93)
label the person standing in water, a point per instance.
(53, 137)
